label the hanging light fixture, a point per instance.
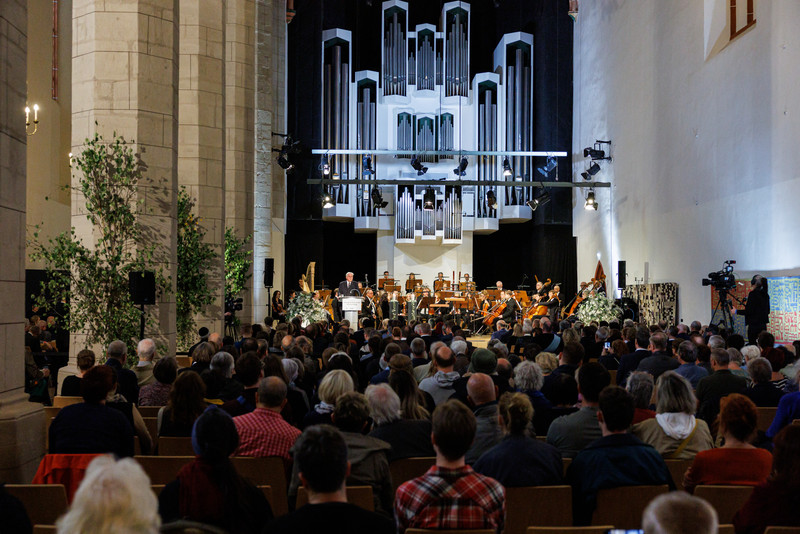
(539, 200)
(591, 201)
(429, 199)
(507, 170)
(593, 169)
(326, 167)
(548, 168)
(328, 200)
(366, 166)
(491, 199)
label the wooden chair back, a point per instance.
(623, 507)
(459, 531)
(169, 446)
(184, 361)
(540, 506)
(49, 413)
(566, 462)
(409, 468)
(271, 471)
(149, 411)
(60, 401)
(726, 529)
(44, 502)
(361, 496)
(599, 529)
(782, 530)
(765, 417)
(152, 427)
(162, 469)
(677, 468)
(726, 500)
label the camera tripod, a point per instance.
(230, 326)
(724, 305)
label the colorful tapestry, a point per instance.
(784, 303)
(656, 302)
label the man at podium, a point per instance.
(348, 287)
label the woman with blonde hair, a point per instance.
(335, 384)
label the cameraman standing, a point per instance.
(756, 310)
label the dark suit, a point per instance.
(629, 363)
(657, 364)
(715, 386)
(756, 313)
(345, 287)
(510, 313)
(127, 383)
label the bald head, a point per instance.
(216, 339)
(481, 389)
(271, 393)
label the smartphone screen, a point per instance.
(607, 345)
(623, 531)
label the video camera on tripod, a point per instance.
(231, 307)
(724, 279)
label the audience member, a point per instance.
(117, 402)
(788, 411)
(165, 371)
(408, 438)
(222, 363)
(687, 358)
(202, 354)
(776, 503)
(717, 385)
(640, 386)
(528, 378)
(630, 362)
(263, 432)
(321, 458)
(546, 360)
(184, 406)
(117, 356)
(659, 360)
(249, 373)
(766, 342)
(572, 433)
(440, 385)
(482, 396)
(675, 432)
(114, 496)
(414, 403)
(677, 513)
(569, 360)
(451, 495)
(71, 385)
(737, 462)
(146, 350)
(91, 426)
(736, 361)
(616, 459)
(611, 356)
(208, 489)
(520, 460)
(335, 384)
(761, 390)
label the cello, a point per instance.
(540, 309)
(494, 314)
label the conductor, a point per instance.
(348, 287)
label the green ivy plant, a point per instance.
(91, 282)
(193, 293)
(238, 260)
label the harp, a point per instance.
(307, 280)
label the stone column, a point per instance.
(239, 146)
(270, 179)
(125, 78)
(21, 422)
(201, 133)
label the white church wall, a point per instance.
(705, 164)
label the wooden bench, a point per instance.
(623, 507)
(266, 490)
(169, 446)
(44, 502)
(60, 401)
(538, 506)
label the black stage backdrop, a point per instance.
(544, 245)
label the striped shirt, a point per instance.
(447, 499)
(263, 433)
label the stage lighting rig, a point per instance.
(325, 166)
(491, 199)
(545, 171)
(366, 166)
(591, 201)
(507, 170)
(593, 169)
(377, 198)
(429, 199)
(462, 167)
(539, 200)
(328, 200)
(596, 151)
(417, 166)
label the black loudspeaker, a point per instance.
(142, 286)
(269, 270)
(621, 274)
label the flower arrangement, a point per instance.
(306, 307)
(599, 308)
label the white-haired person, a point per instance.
(114, 496)
(409, 438)
(146, 351)
(528, 379)
(675, 432)
(678, 512)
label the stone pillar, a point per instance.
(201, 133)
(125, 78)
(21, 422)
(270, 179)
(239, 146)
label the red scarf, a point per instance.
(200, 498)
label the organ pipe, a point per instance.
(395, 61)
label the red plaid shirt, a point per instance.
(263, 432)
(447, 499)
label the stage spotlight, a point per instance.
(328, 200)
(507, 170)
(593, 169)
(593, 153)
(283, 161)
(326, 167)
(539, 200)
(548, 168)
(417, 166)
(366, 166)
(491, 199)
(591, 202)
(462, 166)
(429, 199)
(377, 198)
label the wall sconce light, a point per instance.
(28, 119)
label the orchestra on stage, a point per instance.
(456, 298)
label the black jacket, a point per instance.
(127, 383)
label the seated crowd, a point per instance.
(339, 405)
